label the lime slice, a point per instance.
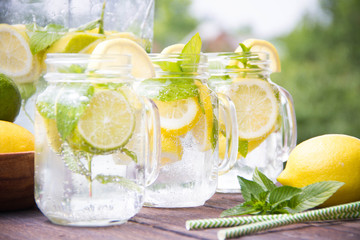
(90, 48)
(73, 42)
(179, 116)
(203, 130)
(176, 48)
(258, 45)
(256, 106)
(141, 63)
(108, 122)
(15, 56)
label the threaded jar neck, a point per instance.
(99, 68)
(180, 66)
(251, 64)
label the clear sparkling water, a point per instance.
(67, 196)
(185, 183)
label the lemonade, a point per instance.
(189, 113)
(87, 115)
(265, 114)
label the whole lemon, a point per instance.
(14, 138)
(328, 157)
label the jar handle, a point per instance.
(288, 125)
(231, 133)
(153, 146)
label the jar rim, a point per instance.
(225, 62)
(79, 56)
(64, 67)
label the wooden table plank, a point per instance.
(165, 223)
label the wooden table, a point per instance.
(155, 223)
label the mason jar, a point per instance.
(93, 136)
(265, 114)
(189, 120)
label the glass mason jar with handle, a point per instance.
(29, 29)
(189, 113)
(93, 136)
(265, 113)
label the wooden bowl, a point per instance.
(16, 181)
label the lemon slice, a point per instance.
(73, 42)
(179, 116)
(256, 107)
(171, 150)
(141, 64)
(90, 48)
(176, 48)
(203, 129)
(34, 74)
(258, 45)
(53, 136)
(108, 122)
(15, 56)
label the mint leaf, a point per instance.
(168, 66)
(249, 188)
(26, 90)
(70, 105)
(104, 179)
(282, 194)
(73, 163)
(241, 209)
(244, 48)
(243, 147)
(45, 102)
(214, 133)
(169, 89)
(190, 54)
(129, 153)
(88, 26)
(74, 68)
(193, 46)
(263, 181)
(42, 38)
(314, 195)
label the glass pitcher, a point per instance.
(189, 113)
(265, 115)
(38, 27)
(93, 141)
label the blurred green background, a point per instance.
(320, 60)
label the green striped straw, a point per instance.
(320, 214)
(229, 221)
(266, 225)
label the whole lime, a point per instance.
(324, 158)
(10, 99)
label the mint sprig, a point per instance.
(262, 196)
(179, 84)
